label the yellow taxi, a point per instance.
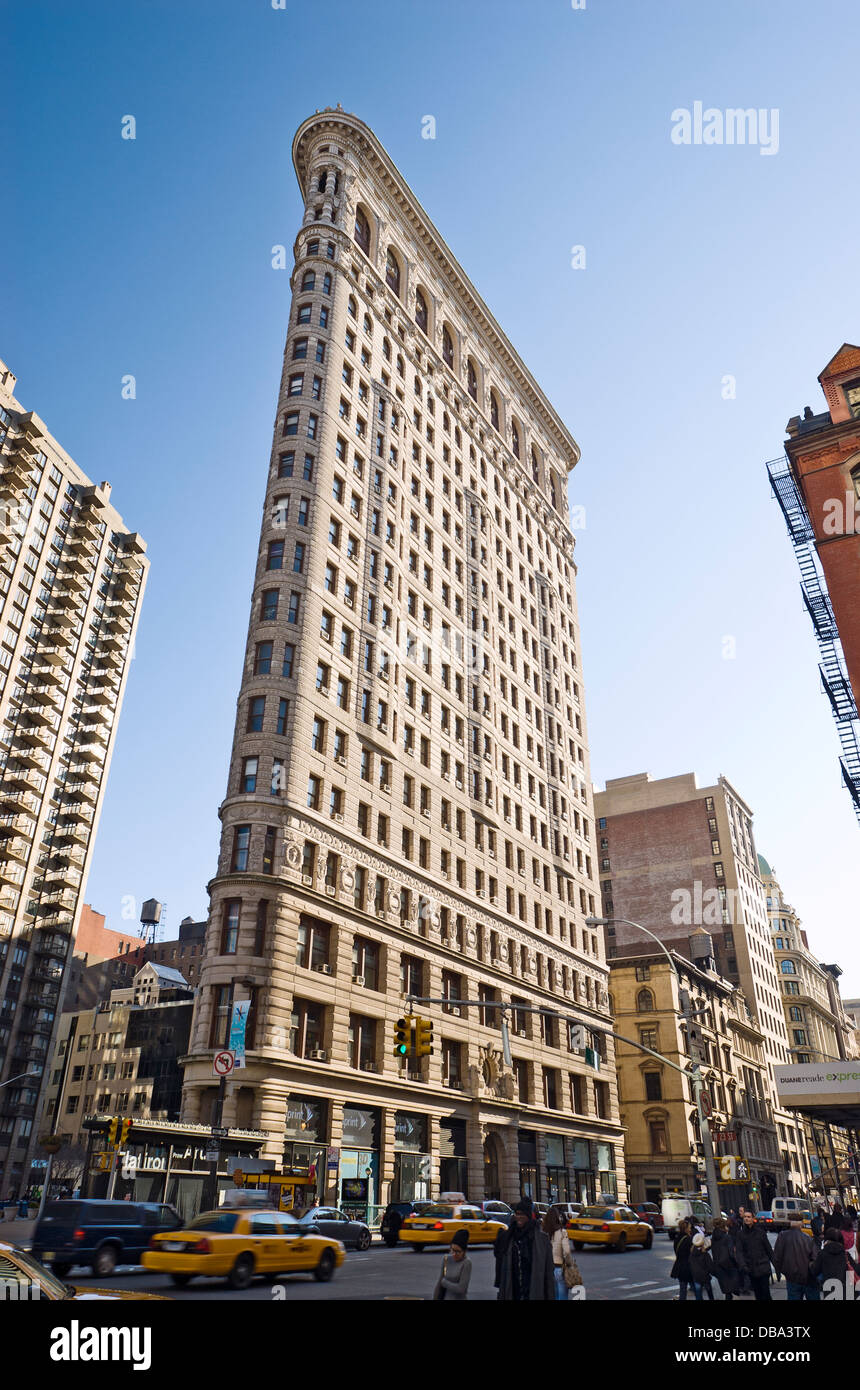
(24, 1279)
(438, 1223)
(615, 1227)
(238, 1243)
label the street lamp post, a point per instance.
(695, 1071)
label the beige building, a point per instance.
(408, 807)
(121, 1057)
(674, 856)
(663, 1143)
(71, 582)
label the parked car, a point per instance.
(329, 1221)
(540, 1209)
(613, 1227)
(238, 1244)
(650, 1212)
(99, 1233)
(393, 1217)
(19, 1270)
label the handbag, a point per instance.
(570, 1269)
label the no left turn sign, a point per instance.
(224, 1063)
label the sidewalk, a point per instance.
(17, 1232)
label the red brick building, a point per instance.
(818, 489)
(105, 960)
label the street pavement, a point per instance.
(400, 1274)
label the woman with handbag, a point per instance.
(562, 1257)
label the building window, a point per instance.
(361, 1042)
(230, 926)
(361, 232)
(365, 962)
(659, 1139)
(269, 605)
(306, 1028)
(644, 1002)
(249, 774)
(256, 711)
(275, 555)
(421, 315)
(392, 273)
(643, 972)
(241, 848)
(222, 1008)
(261, 927)
(263, 658)
(313, 943)
(653, 1086)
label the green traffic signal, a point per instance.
(402, 1037)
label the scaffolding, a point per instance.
(834, 676)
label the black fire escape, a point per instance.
(834, 677)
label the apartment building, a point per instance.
(675, 856)
(664, 1151)
(121, 1057)
(71, 582)
(105, 960)
(408, 811)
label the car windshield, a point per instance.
(438, 1211)
(42, 1276)
(224, 1221)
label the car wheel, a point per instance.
(621, 1243)
(105, 1261)
(180, 1280)
(577, 1244)
(363, 1242)
(242, 1272)
(649, 1241)
(60, 1270)
(325, 1268)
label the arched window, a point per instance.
(447, 348)
(515, 438)
(472, 379)
(308, 280)
(400, 367)
(535, 465)
(392, 272)
(644, 1002)
(386, 349)
(421, 316)
(494, 410)
(787, 967)
(361, 233)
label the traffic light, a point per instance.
(118, 1131)
(404, 1037)
(423, 1037)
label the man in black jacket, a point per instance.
(754, 1255)
(793, 1257)
(524, 1271)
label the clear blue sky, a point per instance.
(152, 257)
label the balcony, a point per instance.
(15, 825)
(13, 850)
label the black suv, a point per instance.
(99, 1233)
(392, 1218)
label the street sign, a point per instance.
(218, 1132)
(224, 1063)
(212, 1155)
(706, 1104)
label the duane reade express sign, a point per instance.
(824, 1084)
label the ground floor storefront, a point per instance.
(361, 1152)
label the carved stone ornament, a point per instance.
(292, 855)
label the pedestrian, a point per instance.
(683, 1244)
(833, 1261)
(701, 1267)
(523, 1254)
(561, 1253)
(725, 1264)
(819, 1221)
(456, 1269)
(755, 1256)
(793, 1258)
(390, 1228)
